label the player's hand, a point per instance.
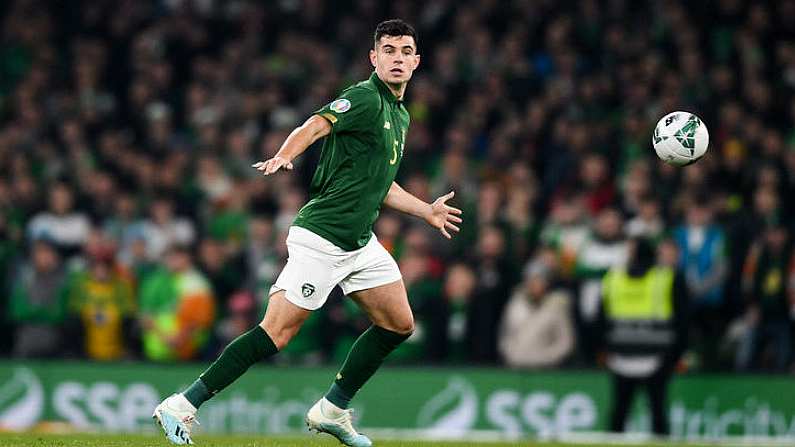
(268, 167)
(444, 217)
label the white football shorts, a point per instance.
(315, 266)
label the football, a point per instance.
(680, 138)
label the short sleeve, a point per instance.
(354, 110)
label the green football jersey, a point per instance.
(358, 163)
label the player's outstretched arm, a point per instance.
(302, 137)
(437, 214)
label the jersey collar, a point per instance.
(384, 89)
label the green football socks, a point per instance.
(244, 351)
(364, 358)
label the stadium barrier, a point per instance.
(438, 402)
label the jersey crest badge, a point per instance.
(387, 125)
(340, 105)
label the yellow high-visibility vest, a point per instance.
(639, 310)
(649, 297)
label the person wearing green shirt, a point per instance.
(331, 241)
(37, 304)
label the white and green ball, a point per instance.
(680, 138)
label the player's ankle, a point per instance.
(196, 394)
(339, 397)
(329, 410)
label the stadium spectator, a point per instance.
(223, 269)
(522, 223)
(635, 186)
(767, 286)
(495, 277)
(101, 299)
(99, 191)
(261, 257)
(163, 229)
(604, 247)
(242, 311)
(38, 303)
(66, 227)
(566, 230)
(536, 330)
(422, 277)
(702, 259)
(648, 222)
(454, 173)
(177, 309)
(120, 225)
(451, 338)
(596, 183)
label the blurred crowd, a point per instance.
(132, 226)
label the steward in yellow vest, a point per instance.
(644, 330)
(639, 310)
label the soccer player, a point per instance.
(331, 242)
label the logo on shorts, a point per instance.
(307, 290)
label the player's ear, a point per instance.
(372, 57)
(416, 60)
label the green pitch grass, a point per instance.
(98, 440)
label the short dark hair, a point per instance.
(396, 28)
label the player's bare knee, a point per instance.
(407, 330)
(404, 327)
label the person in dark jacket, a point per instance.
(767, 292)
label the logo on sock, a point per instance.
(307, 290)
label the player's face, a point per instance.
(395, 58)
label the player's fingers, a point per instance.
(266, 165)
(445, 233)
(453, 218)
(258, 164)
(452, 227)
(453, 210)
(288, 166)
(447, 196)
(272, 167)
(276, 165)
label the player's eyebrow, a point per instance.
(390, 46)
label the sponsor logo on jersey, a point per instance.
(307, 290)
(340, 105)
(387, 125)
